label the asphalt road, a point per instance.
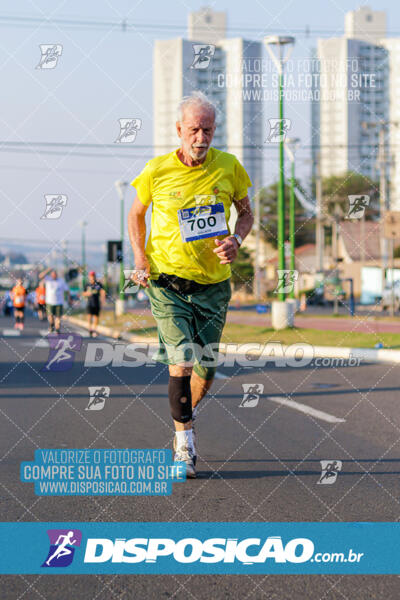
(259, 463)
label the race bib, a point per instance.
(19, 299)
(202, 221)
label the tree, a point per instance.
(336, 190)
(268, 216)
(242, 269)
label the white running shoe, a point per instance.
(194, 451)
(185, 454)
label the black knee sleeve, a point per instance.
(178, 388)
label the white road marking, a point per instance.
(41, 343)
(11, 332)
(219, 375)
(308, 410)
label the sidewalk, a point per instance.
(371, 355)
(358, 323)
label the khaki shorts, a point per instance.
(55, 309)
(188, 324)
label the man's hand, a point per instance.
(226, 250)
(141, 273)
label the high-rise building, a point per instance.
(365, 24)
(353, 96)
(392, 45)
(207, 24)
(177, 73)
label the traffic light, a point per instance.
(71, 274)
(114, 251)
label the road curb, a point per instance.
(371, 355)
(116, 334)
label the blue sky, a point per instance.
(105, 74)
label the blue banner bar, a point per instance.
(206, 548)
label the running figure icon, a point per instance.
(62, 549)
(63, 345)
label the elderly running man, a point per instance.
(185, 266)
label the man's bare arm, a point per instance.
(227, 249)
(137, 237)
(245, 218)
(45, 272)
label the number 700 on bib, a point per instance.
(199, 222)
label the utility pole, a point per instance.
(120, 302)
(319, 232)
(383, 195)
(382, 200)
(83, 259)
(335, 248)
(64, 245)
(257, 291)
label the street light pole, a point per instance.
(83, 259)
(120, 304)
(64, 245)
(281, 189)
(121, 186)
(105, 268)
(291, 146)
(279, 61)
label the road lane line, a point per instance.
(219, 375)
(308, 410)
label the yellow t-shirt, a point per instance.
(173, 186)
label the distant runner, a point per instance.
(40, 301)
(18, 295)
(96, 296)
(185, 267)
(56, 288)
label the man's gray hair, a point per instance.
(196, 98)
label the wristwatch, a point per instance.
(238, 238)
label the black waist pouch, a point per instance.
(180, 285)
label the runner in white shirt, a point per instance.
(55, 290)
